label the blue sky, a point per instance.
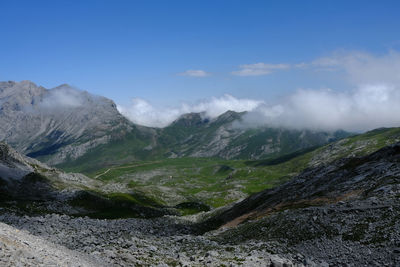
(128, 49)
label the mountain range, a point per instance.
(65, 126)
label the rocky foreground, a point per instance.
(19, 248)
(65, 241)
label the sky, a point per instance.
(158, 59)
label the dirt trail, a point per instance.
(125, 167)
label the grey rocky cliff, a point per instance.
(26, 180)
(15, 166)
(56, 124)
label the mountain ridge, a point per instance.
(66, 126)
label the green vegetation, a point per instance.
(35, 177)
(118, 151)
(193, 135)
(215, 182)
(117, 205)
(200, 180)
(188, 208)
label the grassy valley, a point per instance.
(218, 182)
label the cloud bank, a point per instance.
(142, 112)
(363, 68)
(360, 67)
(367, 107)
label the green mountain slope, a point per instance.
(193, 135)
(217, 182)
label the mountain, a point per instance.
(349, 205)
(194, 135)
(57, 124)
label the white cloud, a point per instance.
(366, 108)
(64, 96)
(143, 113)
(259, 69)
(194, 73)
(372, 101)
(363, 68)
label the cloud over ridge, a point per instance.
(142, 112)
(366, 108)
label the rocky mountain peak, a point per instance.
(16, 95)
(64, 85)
(39, 121)
(229, 116)
(191, 119)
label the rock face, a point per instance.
(55, 124)
(14, 167)
(26, 180)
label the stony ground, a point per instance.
(19, 248)
(65, 241)
(354, 233)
